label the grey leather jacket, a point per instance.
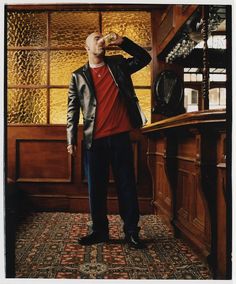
(82, 94)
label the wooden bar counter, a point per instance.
(187, 160)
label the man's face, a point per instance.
(94, 46)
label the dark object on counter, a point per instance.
(169, 94)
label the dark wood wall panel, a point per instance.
(42, 161)
(51, 180)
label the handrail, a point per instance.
(191, 118)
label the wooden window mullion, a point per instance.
(48, 67)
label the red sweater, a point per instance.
(111, 115)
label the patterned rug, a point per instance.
(46, 247)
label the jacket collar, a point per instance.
(87, 73)
(88, 76)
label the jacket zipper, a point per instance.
(112, 75)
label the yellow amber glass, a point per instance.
(26, 29)
(27, 67)
(70, 29)
(27, 106)
(110, 52)
(142, 77)
(58, 106)
(134, 25)
(139, 78)
(63, 63)
(144, 96)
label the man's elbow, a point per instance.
(148, 58)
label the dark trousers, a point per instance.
(117, 151)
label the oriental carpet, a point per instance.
(47, 247)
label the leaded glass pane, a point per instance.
(27, 106)
(134, 25)
(70, 29)
(141, 77)
(63, 63)
(58, 106)
(27, 67)
(144, 96)
(110, 52)
(26, 29)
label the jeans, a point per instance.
(117, 151)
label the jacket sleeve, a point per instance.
(73, 113)
(140, 56)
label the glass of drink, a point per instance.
(108, 39)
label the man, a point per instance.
(103, 90)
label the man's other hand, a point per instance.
(71, 149)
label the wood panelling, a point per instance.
(51, 180)
(173, 20)
(223, 218)
(191, 214)
(186, 158)
(166, 24)
(42, 161)
(86, 7)
(159, 156)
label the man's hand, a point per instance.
(71, 149)
(118, 40)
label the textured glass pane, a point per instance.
(141, 77)
(58, 106)
(63, 63)
(27, 67)
(26, 29)
(110, 52)
(70, 29)
(134, 25)
(144, 97)
(27, 106)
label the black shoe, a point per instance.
(93, 238)
(134, 241)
